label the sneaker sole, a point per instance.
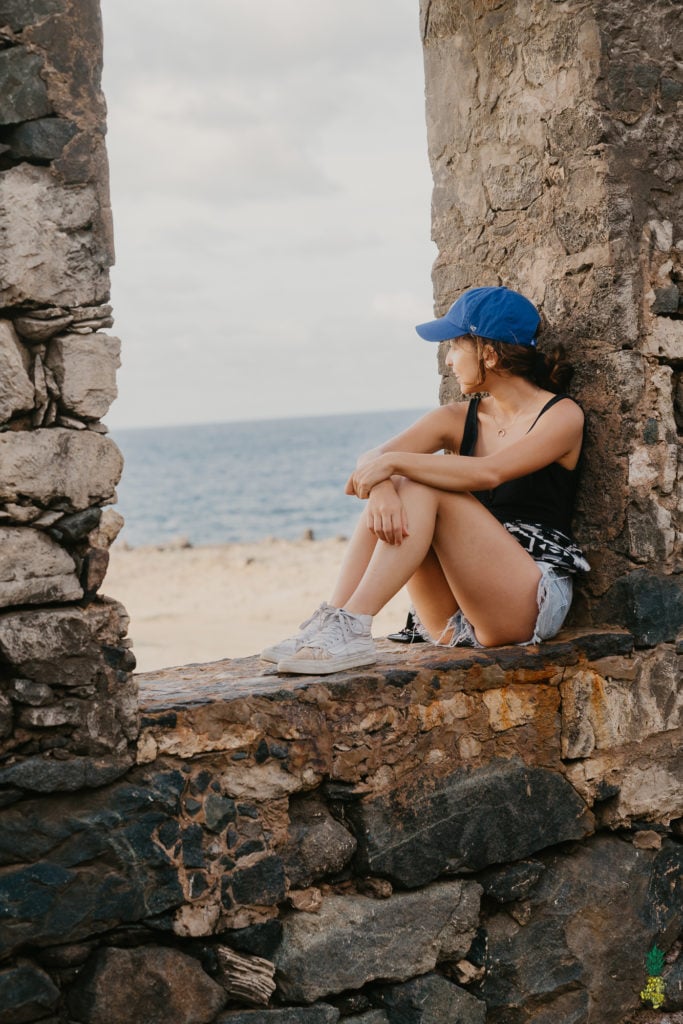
(309, 667)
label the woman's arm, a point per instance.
(440, 428)
(561, 432)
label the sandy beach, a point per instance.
(190, 604)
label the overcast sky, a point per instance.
(271, 196)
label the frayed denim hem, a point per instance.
(554, 598)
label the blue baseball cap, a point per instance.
(498, 314)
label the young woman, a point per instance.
(482, 538)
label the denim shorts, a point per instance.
(554, 597)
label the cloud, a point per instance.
(271, 196)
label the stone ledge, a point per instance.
(586, 705)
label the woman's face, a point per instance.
(464, 364)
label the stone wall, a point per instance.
(482, 837)
(68, 706)
(554, 138)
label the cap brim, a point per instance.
(440, 330)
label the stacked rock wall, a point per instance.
(484, 837)
(554, 137)
(68, 707)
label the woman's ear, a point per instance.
(490, 357)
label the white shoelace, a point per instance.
(340, 627)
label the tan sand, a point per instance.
(225, 601)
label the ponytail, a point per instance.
(550, 371)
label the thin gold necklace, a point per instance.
(502, 431)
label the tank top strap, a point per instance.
(469, 434)
(548, 405)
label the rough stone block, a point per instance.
(20, 13)
(81, 864)
(34, 569)
(432, 1000)
(594, 914)
(149, 985)
(501, 812)
(318, 1014)
(16, 389)
(318, 844)
(76, 468)
(42, 774)
(23, 95)
(42, 139)
(648, 604)
(392, 939)
(85, 367)
(26, 993)
(664, 339)
(599, 713)
(50, 253)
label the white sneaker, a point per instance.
(307, 630)
(344, 641)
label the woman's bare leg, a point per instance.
(431, 596)
(357, 556)
(490, 576)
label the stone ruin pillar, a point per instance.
(554, 139)
(68, 708)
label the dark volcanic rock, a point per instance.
(318, 844)
(26, 993)
(23, 95)
(19, 13)
(354, 939)
(432, 1000)
(594, 914)
(649, 605)
(43, 139)
(467, 821)
(673, 981)
(319, 1014)
(78, 865)
(149, 985)
(511, 882)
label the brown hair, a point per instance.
(552, 371)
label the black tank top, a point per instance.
(545, 496)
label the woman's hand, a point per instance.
(386, 517)
(368, 475)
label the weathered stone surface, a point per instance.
(432, 1000)
(85, 863)
(34, 569)
(511, 882)
(150, 985)
(673, 981)
(42, 139)
(594, 914)
(648, 604)
(501, 812)
(371, 1017)
(78, 469)
(107, 531)
(49, 253)
(20, 13)
(392, 939)
(319, 1014)
(23, 95)
(56, 646)
(318, 844)
(601, 713)
(72, 528)
(43, 774)
(26, 993)
(34, 329)
(85, 371)
(16, 389)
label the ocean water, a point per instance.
(237, 482)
